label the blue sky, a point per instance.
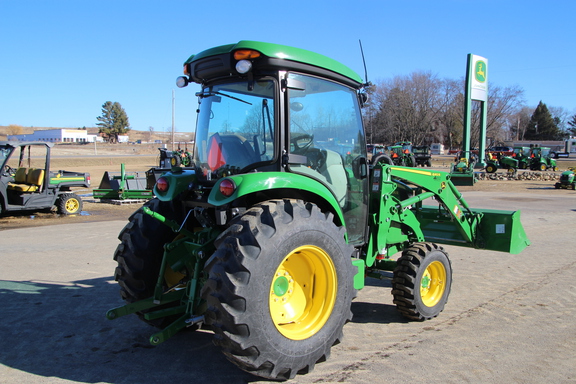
(61, 60)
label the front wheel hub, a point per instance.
(433, 284)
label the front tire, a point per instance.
(491, 168)
(279, 289)
(422, 281)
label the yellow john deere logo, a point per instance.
(480, 71)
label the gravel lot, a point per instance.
(510, 318)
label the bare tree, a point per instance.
(423, 109)
(150, 133)
(409, 107)
(14, 129)
(518, 121)
(450, 120)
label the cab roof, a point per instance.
(283, 52)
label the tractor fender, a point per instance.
(292, 185)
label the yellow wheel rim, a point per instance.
(72, 205)
(303, 292)
(433, 284)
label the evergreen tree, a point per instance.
(113, 122)
(542, 125)
(572, 124)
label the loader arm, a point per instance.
(400, 217)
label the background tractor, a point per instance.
(181, 157)
(462, 170)
(401, 155)
(541, 160)
(501, 161)
(27, 183)
(567, 180)
(522, 155)
(267, 239)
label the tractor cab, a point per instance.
(258, 113)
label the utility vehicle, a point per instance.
(27, 183)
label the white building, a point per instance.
(437, 149)
(58, 136)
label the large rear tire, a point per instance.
(422, 281)
(280, 288)
(175, 160)
(140, 253)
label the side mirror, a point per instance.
(360, 167)
(363, 97)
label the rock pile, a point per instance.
(520, 175)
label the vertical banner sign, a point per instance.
(479, 78)
(476, 89)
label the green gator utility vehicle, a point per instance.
(422, 155)
(266, 240)
(27, 183)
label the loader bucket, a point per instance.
(502, 231)
(122, 186)
(465, 178)
(496, 230)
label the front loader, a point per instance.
(266, 238)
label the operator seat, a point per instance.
(230, 149)
(32, 183)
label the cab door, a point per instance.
(325, 128)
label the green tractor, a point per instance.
(567, 180)
(402, 155)
(267, 239)
(541, 159)
(504, 162)
(521, 154)
(181, 158)
(462, 170)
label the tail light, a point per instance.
(162, 184)
(227, 187)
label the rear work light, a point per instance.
(227, 187)
(246, 54)
(162, 184)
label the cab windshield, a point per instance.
(4, 152)
(235, 127)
